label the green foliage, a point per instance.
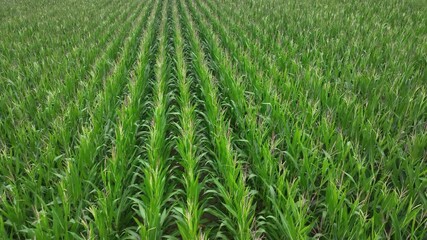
(213, 119)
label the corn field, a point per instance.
(213, 119)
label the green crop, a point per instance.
(213, 119)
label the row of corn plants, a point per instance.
(153, 203)
(282, 213)
(84, 171)
(110, 214)
(190, 141)
(236, 210)
(249, 70)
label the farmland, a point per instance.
(213, 119)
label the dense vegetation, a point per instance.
(271, 119)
